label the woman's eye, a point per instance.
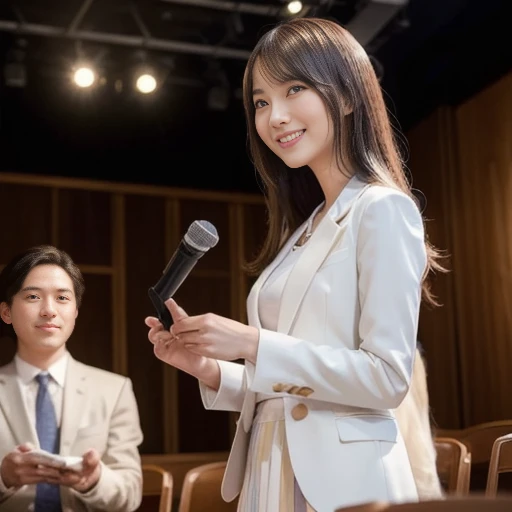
(259, 104)
(295, 89)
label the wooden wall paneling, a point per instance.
(55, 217)
(201, 429)
(171, 386)
(483, 221)
(145, 255)
(119, 287)
(138, 189)
(28, 221)
(85, 225)
(114, 249)
(432, 161)
(91, 341)
(254, 230)
(27, 218)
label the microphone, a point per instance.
(200, 237)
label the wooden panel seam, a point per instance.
(119, 339)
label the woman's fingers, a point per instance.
(152, 321)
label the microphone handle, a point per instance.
(176, 271)
(161, 309)
(174, 274)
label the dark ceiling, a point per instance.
(191, 132)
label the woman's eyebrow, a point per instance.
(257, 91)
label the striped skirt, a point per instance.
(269, 483)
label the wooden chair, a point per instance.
(479, 440)
(373, 506)
(201, 490)
(156, 489)
(475, 503)
(453, 465)
(501, 462)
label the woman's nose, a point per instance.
(279, 116)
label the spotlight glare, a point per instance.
(146, 83)
(84, 77)
(295, 6)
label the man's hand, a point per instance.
(87, 478)
(22, 467)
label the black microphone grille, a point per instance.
(202, 235)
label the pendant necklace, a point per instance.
(307, 234)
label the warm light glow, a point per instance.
(84, 77)
(146, 83)
(295, 6)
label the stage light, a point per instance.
(294, 7)
(146, 83)
(84, 77)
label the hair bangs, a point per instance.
(287, 56)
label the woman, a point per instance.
(332, 318)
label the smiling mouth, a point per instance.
(289, 138)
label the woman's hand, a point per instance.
(214, 336)
(168, 348)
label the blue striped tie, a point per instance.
(47, 495)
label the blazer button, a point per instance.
(299, 412)
(278, 388)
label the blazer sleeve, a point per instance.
(391, 260)
(231, 393)
(120, 485)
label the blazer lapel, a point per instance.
(252, 300)
(73, 405)
(323, 239)
(253, 318)
(13, 406)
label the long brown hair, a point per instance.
(327, 58)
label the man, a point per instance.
(50, 401)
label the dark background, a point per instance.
(433, 52)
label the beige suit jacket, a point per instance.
(99, 411)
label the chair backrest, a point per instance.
(479, 440)
(453, 465)
(201, 490)
(373, 506)
(474, 503)
(501, 462)
(156, 483)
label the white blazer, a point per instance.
(346, 343)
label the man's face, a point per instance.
(43, 312)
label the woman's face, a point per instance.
(292, 121)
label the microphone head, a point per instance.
(202, 235)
